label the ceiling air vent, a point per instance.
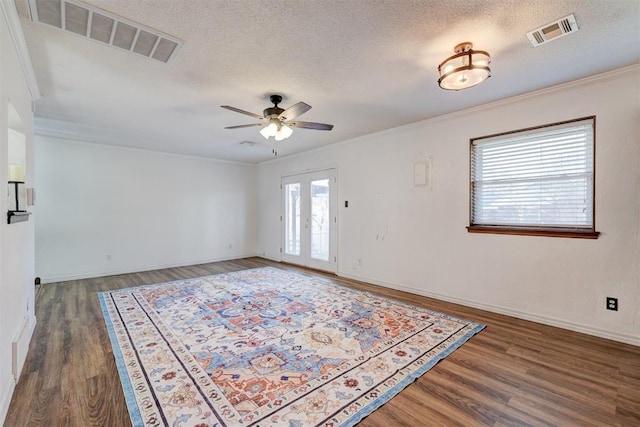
(553, 31)
(104, 27)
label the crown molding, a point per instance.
(62, 129)
(17, 36)
(618, 73)
(630, 70)
(66, 131)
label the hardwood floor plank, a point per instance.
(514, 373)
(575, 393)
(55, 411)
(54, 357)
(551, 413)
(430, 410)
(399, 414)
(105, 402)
(586, 392)
(42, 407)
(628, 408)
(30, 383)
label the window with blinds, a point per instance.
(535, 181)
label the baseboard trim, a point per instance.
(545, 320)
(7, 394)
(270, 258)
(91, 275)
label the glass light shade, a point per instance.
(465, 69)
(285, 132)
(273, 128)
(265, 132)
(270, 130)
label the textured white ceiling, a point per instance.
(364, 66)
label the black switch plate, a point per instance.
(612, 303)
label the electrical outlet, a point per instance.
(612, 303)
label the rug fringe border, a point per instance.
(132, 406)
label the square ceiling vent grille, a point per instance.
(101, 26)
(552, 31)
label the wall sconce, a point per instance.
(17, 195)
(465, 69)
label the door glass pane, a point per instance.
(320, 221)
(292, 219)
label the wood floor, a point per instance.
(514, 373)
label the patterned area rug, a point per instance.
(266, 347)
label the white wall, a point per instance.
(142, 209)
(16, 240)
(416, 239)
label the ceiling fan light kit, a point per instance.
(276, 130)
(278, 122)
(284, 133)
(465, 69)
(270, 130)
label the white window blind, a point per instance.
(540, 178)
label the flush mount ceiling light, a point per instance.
(465, 69)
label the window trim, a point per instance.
(543, 230)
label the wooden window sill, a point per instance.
(543, 232)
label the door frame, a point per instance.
(305, 178)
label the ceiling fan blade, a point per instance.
(245, 126)
(294, 111)
(237, 110)
(310, 125)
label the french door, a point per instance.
(309, 219)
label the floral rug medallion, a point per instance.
(266, 347)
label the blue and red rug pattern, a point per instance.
(267, 347)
